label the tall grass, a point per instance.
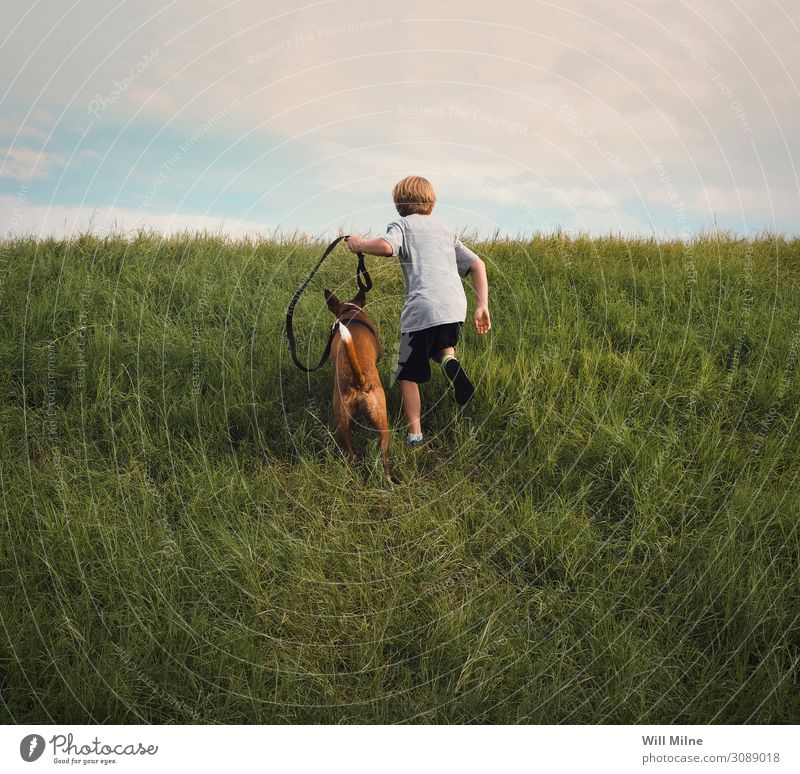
(609, 533)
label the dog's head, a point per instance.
(340, 307)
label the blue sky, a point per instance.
(249, 117)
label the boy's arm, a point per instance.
(477, 271)
(376, 246)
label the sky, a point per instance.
(649, 117)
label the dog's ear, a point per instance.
(333, 302)
(361, 298)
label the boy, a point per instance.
(433, 260)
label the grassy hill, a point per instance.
(609, 533)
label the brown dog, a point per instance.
(357, 385)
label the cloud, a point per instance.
(18, 218)
(350, 96)
(14, 127)
(25, 164)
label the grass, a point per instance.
(608, 534)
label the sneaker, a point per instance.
(414, 441)
(461, 383)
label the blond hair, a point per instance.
(414, 194)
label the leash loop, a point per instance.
(364, 283)
(362, 275)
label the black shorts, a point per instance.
(418, 347)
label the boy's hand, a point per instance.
(353, 243)
(483, 321)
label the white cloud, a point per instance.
(25, 164)
(15, 127)
(17, 218)
(708, 90)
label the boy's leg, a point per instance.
(412, 405)
(412, 369)
(455, 373)
(443, 353)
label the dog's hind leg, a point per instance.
(341, 415)
(375, 409)
(383, 431)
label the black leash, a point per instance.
(364, 283)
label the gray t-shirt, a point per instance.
(433, 260)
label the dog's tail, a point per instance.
(350, 349)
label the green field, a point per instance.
(607, 534)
